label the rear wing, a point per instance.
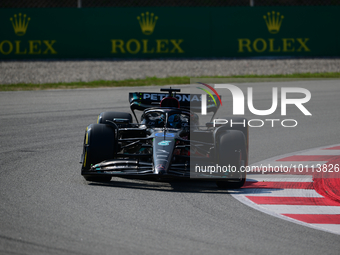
(144, 100)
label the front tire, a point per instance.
(232, 151)
(236, 123)
(99, 145)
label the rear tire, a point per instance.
(232, 151)
(99, 145)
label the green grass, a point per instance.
(151, 81)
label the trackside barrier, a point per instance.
(173, 32)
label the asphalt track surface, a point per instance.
(48, 208)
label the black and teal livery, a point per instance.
(167, 143)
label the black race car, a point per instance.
(168, 143)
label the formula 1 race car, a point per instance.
(168, 143)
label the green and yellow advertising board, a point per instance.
(169, 32)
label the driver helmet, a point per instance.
(175, 121)
(160, 120)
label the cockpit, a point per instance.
(169, 119)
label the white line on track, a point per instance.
(279, 178)
(334, 228)
(320, 152)
(278, 192)
(302, 209)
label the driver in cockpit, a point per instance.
(178, 121)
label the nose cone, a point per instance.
(163, 146)
(161, 172)
(160, 168)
